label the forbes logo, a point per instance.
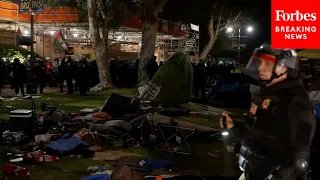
(281, 15)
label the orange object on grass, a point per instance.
(101, 115)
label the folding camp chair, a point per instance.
(172, 135)
(167, 134)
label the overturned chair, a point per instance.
(173, 139)
(169, 139)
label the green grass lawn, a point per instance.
(77, 167)
(72, 103)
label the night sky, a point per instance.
(257, 12)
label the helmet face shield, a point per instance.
(267, 63)
(260, 66)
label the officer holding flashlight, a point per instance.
(276, 137)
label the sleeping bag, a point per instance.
(71, 146)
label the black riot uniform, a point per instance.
(19, 75)
(83, 79)
(62, 73)
(70, 74)
(200, 76)
(40, 74)
(275, 141)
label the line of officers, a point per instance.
(79, 75)
(205, 72)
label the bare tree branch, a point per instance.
(151, 9)
(100, 7)
(225, 25)
(219, 21)
(93, 22)
(211, 31)
(160, 5)
(215, 6)
(104, 28)
(216, 33)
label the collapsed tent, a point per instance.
(175, 77)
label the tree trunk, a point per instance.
(104, 68)
(212, 39)
(150, 13)
(100, 44)
(212, 31)
(103, 65)
(149, 35)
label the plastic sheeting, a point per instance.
(175, 77)
(97, 177)
(66, 145)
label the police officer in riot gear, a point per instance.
(62, 73)
(40, 74)
(70, 74)
(83, 79)
(19, 75)
(276, 137)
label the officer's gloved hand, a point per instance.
(231, 148)
(229, 121)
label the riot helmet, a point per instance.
(270, 60)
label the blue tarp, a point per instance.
(66, 145)
(97, 177)
(158, 164)
(317, 110)
(236, 87)
(232, 83)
